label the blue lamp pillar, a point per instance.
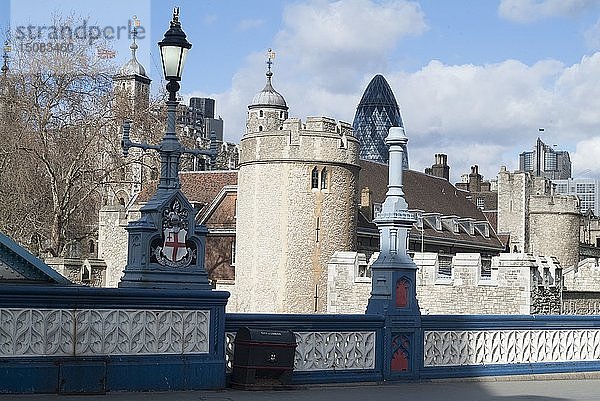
(394, 274)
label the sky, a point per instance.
(475, 79)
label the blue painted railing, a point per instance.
(72, 339)
(330, 348)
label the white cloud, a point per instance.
(533, 10)
(585, 158)
(333, 43)
(477, 114)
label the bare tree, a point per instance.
(57, 122)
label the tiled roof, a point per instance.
(431, 195)
(198, 186)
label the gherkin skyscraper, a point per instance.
(375, 114)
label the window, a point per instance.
(324, 178)
(444, 267)
(260, 128)
(315, 178)
(281, 114)
(92, 246)
(317, 229)
(233, 253)
(86, 274)
(480, 203)
(260, 113)
(376, 209)
(486, 268)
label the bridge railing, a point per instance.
(463, 345)
(330, 348)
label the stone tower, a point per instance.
(539, 221)
(296, 206)
(132, 101)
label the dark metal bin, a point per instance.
(263, 354)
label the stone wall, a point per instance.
(346, 283)
(112, 242)
(90, 272)
(513, 191)
(287, 230)
(507, 291)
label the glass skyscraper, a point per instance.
(375, 114)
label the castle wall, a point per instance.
(514, 190)
(287, 230)
(508, 291)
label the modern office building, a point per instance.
(377, 111)
(544, 161)
(586, 189)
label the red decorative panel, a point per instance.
(401, 293)
(400, 346)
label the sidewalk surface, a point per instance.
(532, 388)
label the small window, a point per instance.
(444, 267)
(315, 178)
(376, 209)
(324, 178)
(281, 114)
(233, 253)
(86, 274)
(260, 113)
(92, 246)
(480, 203)
(260, 128)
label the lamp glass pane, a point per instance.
(170, 59)
(183, 57)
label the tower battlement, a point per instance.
(319, 139)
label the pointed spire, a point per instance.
(134, 46)
(133, 66)
(269, 97)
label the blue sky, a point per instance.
(474, 78)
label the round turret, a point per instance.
(268, 109)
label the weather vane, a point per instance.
(270, 58)
(136, 25)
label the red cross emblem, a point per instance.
(174, 247)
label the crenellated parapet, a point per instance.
(319, 139)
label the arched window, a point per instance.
(260, 113)
(324, 178)
(92, 246)
(315, 178)
(260, 128)
(281, 114)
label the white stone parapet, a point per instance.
(495, 347)
(325, 350)
(91, 332)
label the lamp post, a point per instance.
(166, 246)
(173, 52)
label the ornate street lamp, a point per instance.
(166, 245)
(173, 51)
